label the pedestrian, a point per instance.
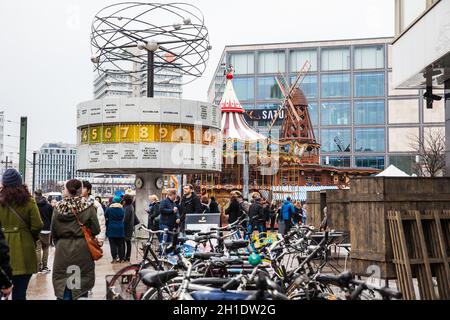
(86, 193)
(297, 217)
(266, 209)
(273, 215)
(5, 267)
(213, 205)
(153, 213)
(22, 223)
(233, 210)
(130, 221)
(287, 211)
(256, 216)
(205, 204)
(72, 254)
(190, 203)
(115, 230)
(169, 215)
(43, 243)
(99, 200)
(304, 213)
(243, 203)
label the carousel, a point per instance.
(276, 167)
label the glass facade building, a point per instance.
(359, 119)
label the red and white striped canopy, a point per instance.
(234, 125)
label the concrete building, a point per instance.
(358, 117)
(421, 55)
(168, 83)
(56, 162)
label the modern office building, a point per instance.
(56, 163)
(2, 128)
(421, 55)
(359, 119)
(168, 83)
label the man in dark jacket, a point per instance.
(257, 217)
(43, 244)
(190, 203)
(130, 220)
(5, 267)
(169, 214)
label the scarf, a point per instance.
(66, 205)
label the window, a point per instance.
(268, 89)
(243, 63)
(297, 59)
(369, 140)
(336, 161)
(271, 62)
(335, 85)
(370, 162)
(313, 111)
(369, 112)
(335, 113)
(335, 59)
(308, 86)
(335, 140)
(403, 162)
(244, 88)
(369, 57)
(370, 84)
(267, 106)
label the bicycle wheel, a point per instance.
(168, 292)
(128, 280)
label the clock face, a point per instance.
(139, 183)
(159, 183)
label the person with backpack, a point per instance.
(287, 211)
(22, 224)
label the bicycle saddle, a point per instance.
(235, 244)
(157, 279)
(205, 255)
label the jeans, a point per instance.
(20, 283)
(261, 229)
(42, 248)
(127, 249)
(304, 219)
(117, 247)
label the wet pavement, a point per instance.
(41, 287)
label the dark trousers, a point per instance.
(20, 283)
(288, 226)
(272, 222)
(117, 246)
(127, 249)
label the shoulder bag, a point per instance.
(93, 246)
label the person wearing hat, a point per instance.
(115, 230)
(21, 225)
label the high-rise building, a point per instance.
(2, 125)
(167, 83)
(421, 55)
(359, 119)
(56, 163)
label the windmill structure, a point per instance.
(297, 134)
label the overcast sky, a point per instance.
(45, 67)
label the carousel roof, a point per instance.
(234, 125)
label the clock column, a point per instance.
(148, 188)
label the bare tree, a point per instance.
(431, 153)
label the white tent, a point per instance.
(392, 171)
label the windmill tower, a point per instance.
(297, 128)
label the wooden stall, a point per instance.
(370, 200)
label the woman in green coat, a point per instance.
(21, 224)
(73, 267)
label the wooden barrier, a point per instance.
(338, 210)
(314, 215)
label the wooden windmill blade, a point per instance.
(300, 76)
(282, 81)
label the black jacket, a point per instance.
(5, 267)
(233, 211)
(256, 213)
(153, 216)
(190, 205)
(214, 207)
(168, 217)
(129, 221)
(46, 211)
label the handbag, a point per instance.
(93, 246)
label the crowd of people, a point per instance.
(30, 226)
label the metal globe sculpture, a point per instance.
(132, 38)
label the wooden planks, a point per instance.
(420, 242)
